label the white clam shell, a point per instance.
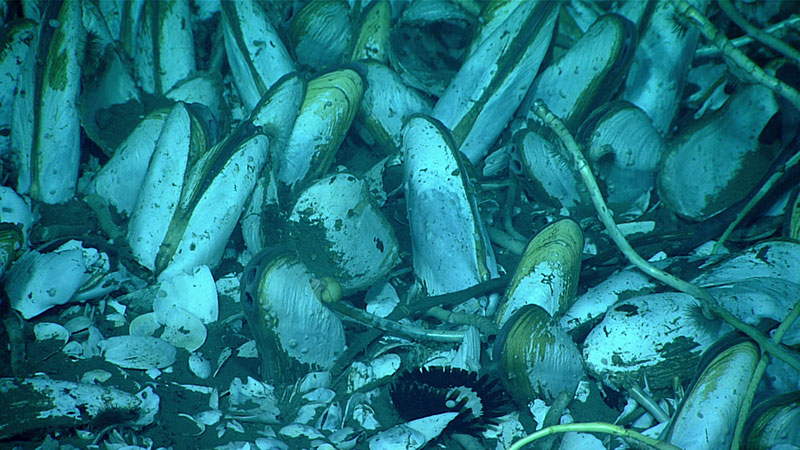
(138, 352)
(182, 329)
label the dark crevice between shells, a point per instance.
(424, 392)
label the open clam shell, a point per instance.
(352, 240)
(707, 417)
(719, 160)
(661, 335)
(451, 249)
(538, 358)
(547, 274)
(294, 331)
(426, 29)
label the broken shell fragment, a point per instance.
(138, 352)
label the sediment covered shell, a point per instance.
(719, 160)
(41, 403)
(538, 358)
(293, 330)
(547, 274)
(661, 335)
(343, 234)
(451, 250)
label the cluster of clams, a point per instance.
(342, 224)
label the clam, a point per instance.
(774, 423)
(330, 105)
(659, 335)
(354, 242)
(547, 274)
(451, 249)
(294, 331)
(46, 100)
(19, 36)
(707, 416)
(716, 162)
(255, 52)
(538, 358)
(320, 34)
(660, 66)
(589, 73)
(625, 152)
(492, 82)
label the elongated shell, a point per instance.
(492, 82)
(293, 330)
(589, 73)
(256, 54)
(719, 160)
(352, 240)
(547, 274)
(538, 358)
(707, 417)
(661, 335)
(19, 35)
(45, 126)
(450, 246)
(330, 105)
